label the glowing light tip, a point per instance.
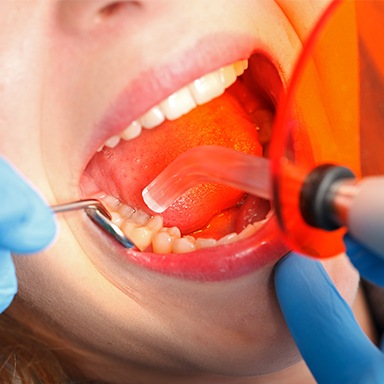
(243, 171)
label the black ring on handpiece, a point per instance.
(316, 202)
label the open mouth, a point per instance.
(213, 231)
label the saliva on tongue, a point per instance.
(209, 209)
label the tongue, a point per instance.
(125, 170)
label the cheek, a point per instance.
(344, 276)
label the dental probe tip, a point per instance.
(81, 204)
(99, 214)
(110, 227)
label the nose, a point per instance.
(87, 15)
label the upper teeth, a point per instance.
(199, 92)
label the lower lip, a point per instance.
(218, 263)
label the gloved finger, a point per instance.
(8, 282)
(26, 222)
(369, 265)
(323, 325)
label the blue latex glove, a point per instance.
(322, 323)
(26, 225)
(370, 266)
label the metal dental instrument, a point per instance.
(81, 204)
(97, 212)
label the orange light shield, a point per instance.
(318, 122)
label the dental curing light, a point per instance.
(330, 116)
(333, 106)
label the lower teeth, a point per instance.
(148, 232)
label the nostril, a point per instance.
(82, 15)
(116, 7)
(111, 9)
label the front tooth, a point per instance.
(228, 75)
(239, 68)
(207, 88)
(112, 141)
(178, 104)
(152, 118)
(132, 131)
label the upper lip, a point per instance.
(150, 87)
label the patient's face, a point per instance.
(77, 81)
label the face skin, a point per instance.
(67, 68)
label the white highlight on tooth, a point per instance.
(239, 68)
(141, 237)
(228, 239)
(184, 100)
(116, 217)
(178, 104)
(152, 118)
(162, 243)
(174, 231)
(155, 223)
(132, 131)
(183, 245)
(248, 231)
(207, 88)
(112, 141)
(227, 75)
(127, 226)
(205, 243)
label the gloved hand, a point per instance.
(26, 225)
(324, 328)
(369, 265)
